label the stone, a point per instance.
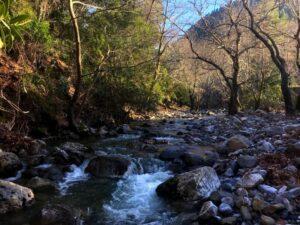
(274, 208)
(259, 204)
(200, 158)
(266, 220)
(229, 220)
(237, 142)
(9, 164)
(247, 161)
(41, 184)
(70, 153)
(251, 180)
(266, 146)
(208, 210)
(293, 128)
(57, 215)
(294, 192)
(194, 185)
(242, 201)
(171, 153)
(228, 201)
(294, 149)
(225, 209)
(267, 189)
(112, 166)
(246, 214)
(14, 197)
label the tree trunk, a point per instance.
(286, 93)
(233, 101)
(72, 116)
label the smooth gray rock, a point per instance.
(14, 197)
(247, 161)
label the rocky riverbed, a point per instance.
(181, 169)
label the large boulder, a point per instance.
(9, 164)
(70, 153)
(57, 215)
(190, 186)
(237, 142)
(14, 197)
(113, 166)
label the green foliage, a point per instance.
(10, 25)
(40, 31)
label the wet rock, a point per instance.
(41, 184)
(114, 166)
(9, 164)
(251, 180)
(247, 161)
(70, 153)
(124, 129)
(225, 209)
(237, 142)
(190, 186)
(51, 172)
(57, 215)
(171, 153)
(208, 211)
(14, 197)
(266, 220)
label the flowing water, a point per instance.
(131, 200)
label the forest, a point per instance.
(154, 112)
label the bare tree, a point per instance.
(270, 43)
(223, 37)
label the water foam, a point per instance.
(135, 199)
(76, 174)
(18, 175)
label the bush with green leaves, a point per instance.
(10, 25)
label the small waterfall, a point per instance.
(135, 199)
(76, 174)
(18, 175)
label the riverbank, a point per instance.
(175, 168)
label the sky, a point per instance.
(186, 14)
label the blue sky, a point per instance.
(185, 13)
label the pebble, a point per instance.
(266, 220)
(267, 189)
